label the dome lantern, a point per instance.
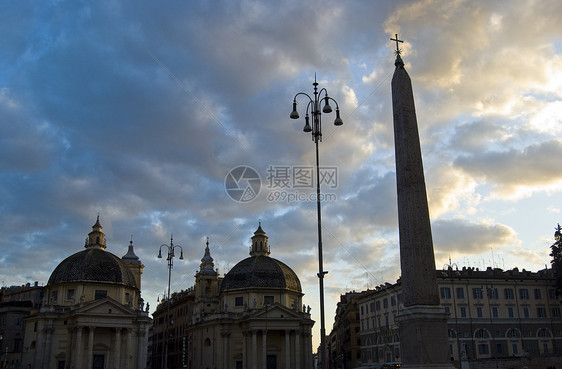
(259, 243)
(96, 238)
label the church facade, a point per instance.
(251, 318)
(92, 315)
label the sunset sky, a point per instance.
(138, 111)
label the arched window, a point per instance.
(207, 342)
(452, 333)
(513, 333)
(481, 334)
(544, 333)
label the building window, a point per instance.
(477, 293)
(268, 300)
(481, 334)
(483, 349)
(492, 293)
(54, 296)
(508, 293)
(447, 309)
(463, 311)
(445, 293)
(385, 303)
(526, 312)
(372, 307)
(555, 311)
(537, 294)
(386, 321)
(378, 305)
(515, 348)
(70, 294)
(510, 312)
(239, 301)
(513, 333)
(523, 294)
(393, 300)
(495, 312)
(100, 294)
(362, 310)
(552, 294)
(460, 293)
(479, 312)
(541, 312)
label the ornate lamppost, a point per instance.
(313, 106)
(171, 254)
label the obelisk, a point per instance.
(422, 321)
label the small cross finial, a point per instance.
(207, 241)
(398, 51)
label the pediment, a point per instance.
(277, 311)
(106, 306)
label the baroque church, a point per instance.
(251, 318)
(92, 315)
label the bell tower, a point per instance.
(207, 284)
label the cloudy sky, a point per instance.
(138, 112)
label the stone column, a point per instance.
(298, 349)
(128, 348)
(307, 351)
(287, 349)
(422, 322)
(264, 348)
(90, 350)
(226, 349)
(117, 349)
(245, 351)
(142, 345)
(78, 358)
(254, 349)
(48, 343)
(68, 355)
(40, 348)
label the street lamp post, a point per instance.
(170, 248)
(316, 129)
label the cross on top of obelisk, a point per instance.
(398, 51)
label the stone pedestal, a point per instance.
(423, 337)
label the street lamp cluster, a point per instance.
(170, 258)
(313, 107)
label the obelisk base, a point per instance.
(423, 337)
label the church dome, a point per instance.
(94, 264)
(260, 270)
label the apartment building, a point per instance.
(499, 318)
